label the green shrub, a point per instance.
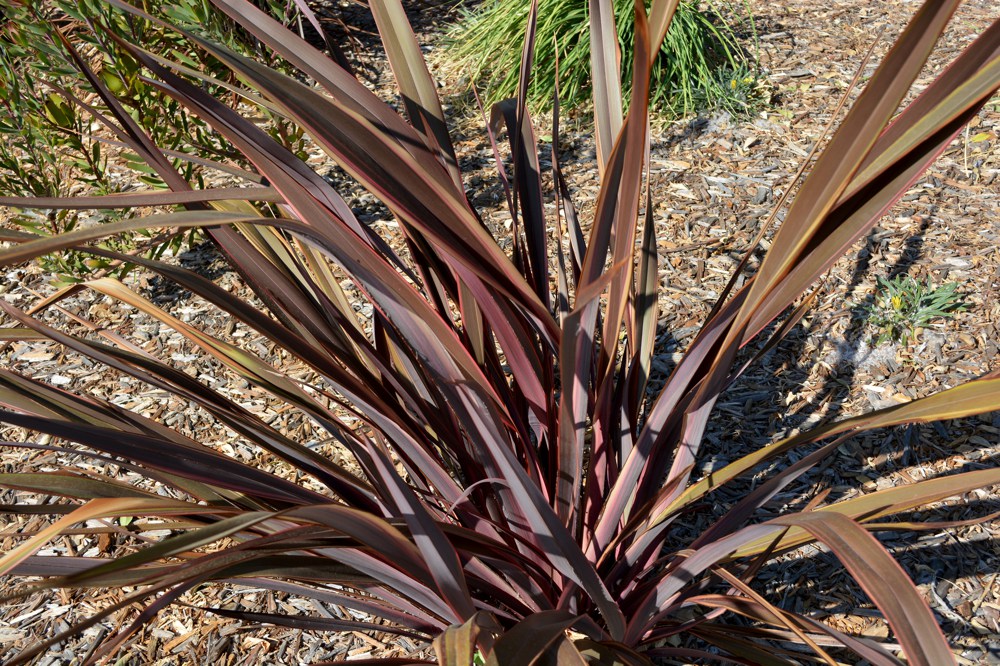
(50, 148)
(43, 136)
(702, 64)
(511, 486)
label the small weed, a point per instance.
(904, 304)
(48, 143)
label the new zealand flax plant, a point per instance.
(515, 490)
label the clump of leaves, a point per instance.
(512, 487)
(700, 60)
(904, 304)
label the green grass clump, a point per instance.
(702, 64)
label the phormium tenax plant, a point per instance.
(515, 490)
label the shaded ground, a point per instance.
(715, 180)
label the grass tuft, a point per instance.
(703, 62)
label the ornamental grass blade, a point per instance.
(978, 396)
(873, 652)
(615, 218)
(415, 83)
(436, 211)
(626, 212)
(30, 249)
(151, 371)
(564, 201)
(204, 465)
(883, 185)
(899, 155)
(525, 642)
(612, 654)
(850, 144)
(884, 581)
(891, 501)
(139, 199)
(337, 81)
(64, 566)
(70, 485)
(530, 365)
(216, 497)
(456, 646)
(94, 509)
(646, 305)
(943, 97)
(371, 154)
(754, 653)
(425, 331)
(544, 525)
(661, 12)
(380, 606)
(765, 612)
(526, 195)
(818, 196)
(527, 192)
(606, 75)
(565, 653)
(846, 222)
(440, 556)
(311, 623)
(171, 546)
